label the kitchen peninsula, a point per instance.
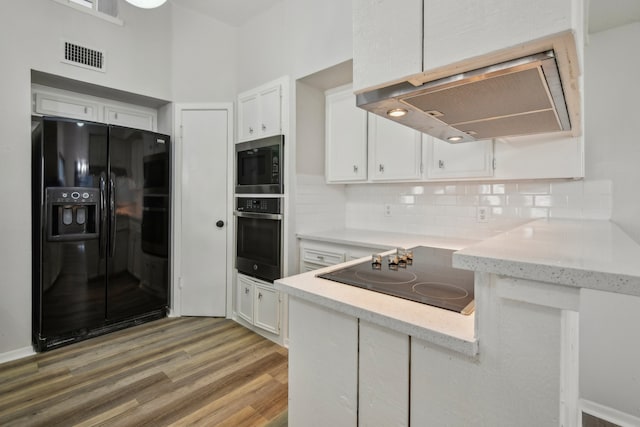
(556, 301)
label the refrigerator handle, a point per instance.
(112, 217)
(103, 216)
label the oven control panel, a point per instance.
(258, 204)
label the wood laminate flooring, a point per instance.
(187, 371)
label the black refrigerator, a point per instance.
(101, 205)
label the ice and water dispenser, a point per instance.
(72, 213)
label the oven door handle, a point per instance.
(257, 215)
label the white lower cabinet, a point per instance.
(267, 308)
(383, 385)
(344, 371)
(315, 255)
(323, 366)
(258, 303)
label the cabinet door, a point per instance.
(383, 394)
(323, 366)
(270, 112)
(445, 160)
(396, 150)
(248, 117)
(456, 31)
(387, 41)
(322, 257)
(129, 118)
(65, 106)
(539, 157)
(346, 138)
(244, 303)
(267, 309)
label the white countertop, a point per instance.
(384, 239)
(580, 253)
(443, 327)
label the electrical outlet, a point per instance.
(387, 210)
(482, 214)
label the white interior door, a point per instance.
(204, 205)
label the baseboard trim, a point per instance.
(609, 414)
(16, 354)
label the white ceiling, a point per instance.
(602, 14)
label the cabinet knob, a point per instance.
(441, 164)
(381, 167)
(259, 295)
(320, 257)
(355, 169)
(250, 129)
(246, 290)
(220, 223)
(264, 127)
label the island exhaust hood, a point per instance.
(518, 97)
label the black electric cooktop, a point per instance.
(420, 274)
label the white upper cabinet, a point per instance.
(364, 147)
(57, 102)
(395, 151)
(260, 112)
(138, 119)
(393, 40)
(539, 157)
(345, 137)
(54, 104)
(455, 31)
(387, 41)
(451, 161)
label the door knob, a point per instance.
(220, 223)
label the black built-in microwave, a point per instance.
(259, 166)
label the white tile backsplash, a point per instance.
(450, 209)
(446, 209)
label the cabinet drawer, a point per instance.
(322, 258)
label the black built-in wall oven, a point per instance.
(259, 166)
(259, 237)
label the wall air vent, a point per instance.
(83, 56)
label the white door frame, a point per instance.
(176, 222)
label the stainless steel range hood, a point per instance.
(517, 97)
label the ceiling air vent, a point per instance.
(82, 56)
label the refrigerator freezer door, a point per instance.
(69, 284)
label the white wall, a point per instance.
(262, 49)
(204, 56)
(612, 125)
(30, 39)
(139, 56)
(296, 38)
(320, 34)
